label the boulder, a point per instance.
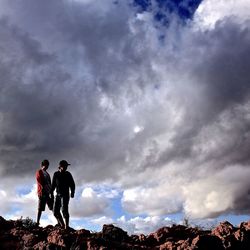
(169, 245)
(224, 229)
(5, 225)
(30, 239)
(61, 238)
(245, 226)
(207, 242)
(110, 232)
(162, 234)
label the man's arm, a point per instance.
(40, 182)
(53, 185)
(40, 177)
(72, 186)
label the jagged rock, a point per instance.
(245, 226)
(207, 242)
(142, 238)
(184, 244)
(4, 224)
(110, 232)
(14, 235)
(224, 229)
(8, 241)
(242, 235)
(179, 232)
(161, 234)
(60, 238)
(233, 238)
(169, 245)
(30, 239)
(135, 238)
(83, 232)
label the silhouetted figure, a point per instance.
(64, 184)
(43, 189)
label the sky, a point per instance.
(147, 99)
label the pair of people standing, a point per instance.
(64, 185)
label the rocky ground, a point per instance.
(23, 234)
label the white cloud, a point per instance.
(211, 11)
(48, 220)
(212, 195)
(102, 220)
(158, 199)
(90, 203)
(145, 225)
(23, 204)
(135, 225)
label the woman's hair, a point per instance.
(45, 162)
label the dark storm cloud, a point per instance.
(48, 108)
(56, 104)
(219, 67)
(37, 115)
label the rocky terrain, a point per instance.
(24, 234)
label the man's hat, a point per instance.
(64, 163)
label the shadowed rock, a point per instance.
(19, 235)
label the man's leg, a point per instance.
(39, 213)
(57, 213)
(41, 207)
(65, 210)
(50, 202)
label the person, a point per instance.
(64, 184)
(43, 189)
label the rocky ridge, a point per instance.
(26, 236)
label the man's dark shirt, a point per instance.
(62, 182)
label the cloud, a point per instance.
(210, 11)
(102, 220)
(218, 193)
(156, 113)
(144, 225)
(18, 203)
(90, 203)
(136, 225)
(152, 200)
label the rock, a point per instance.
(207, 242)
(13, 235)
(150, 240)
(60, 238)
(110, 232)
(180, 232)
(4, 224)
(135, 239)
(169, 245)
(83, 232)
(18, 232)
(224, 229)
(30, 240)
(242, 235)
(161, 234)
(8, 241)
(142, 238)
(184, 244)
(245, 226)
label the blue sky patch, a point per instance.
(184, 8)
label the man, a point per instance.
(43, 189)
(64, 184)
